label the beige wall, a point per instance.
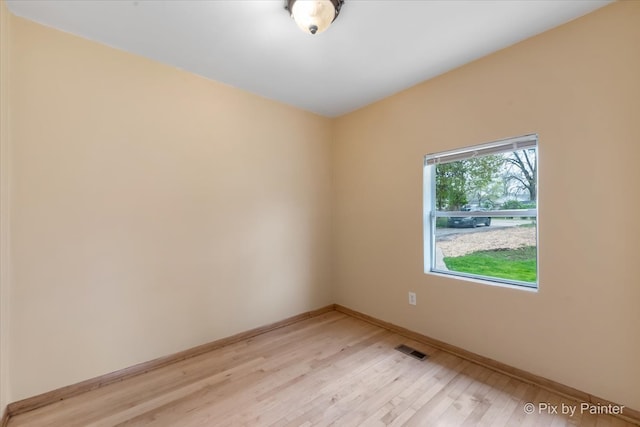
(152, 210)
(578, 87)
(5, 19)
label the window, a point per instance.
(481, 212)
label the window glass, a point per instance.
(481, 213)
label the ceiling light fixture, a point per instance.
(314, 16)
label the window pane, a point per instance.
(499, 181)
(504, 249)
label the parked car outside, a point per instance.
(469, 221)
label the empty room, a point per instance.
(319, 212)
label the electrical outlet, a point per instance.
(412, 298)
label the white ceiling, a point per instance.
(374, 49)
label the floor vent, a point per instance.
(411, 352)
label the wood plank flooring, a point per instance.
(328, 370)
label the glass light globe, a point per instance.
(313, 16)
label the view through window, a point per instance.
(480, 212)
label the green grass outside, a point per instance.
(514, 264)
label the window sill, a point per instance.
(496, 283)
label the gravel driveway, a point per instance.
(504, 238)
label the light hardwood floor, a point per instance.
(332, 369)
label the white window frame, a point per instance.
(429, 204)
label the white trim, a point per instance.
(495, 147)
(483, 281)
(497, 213)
